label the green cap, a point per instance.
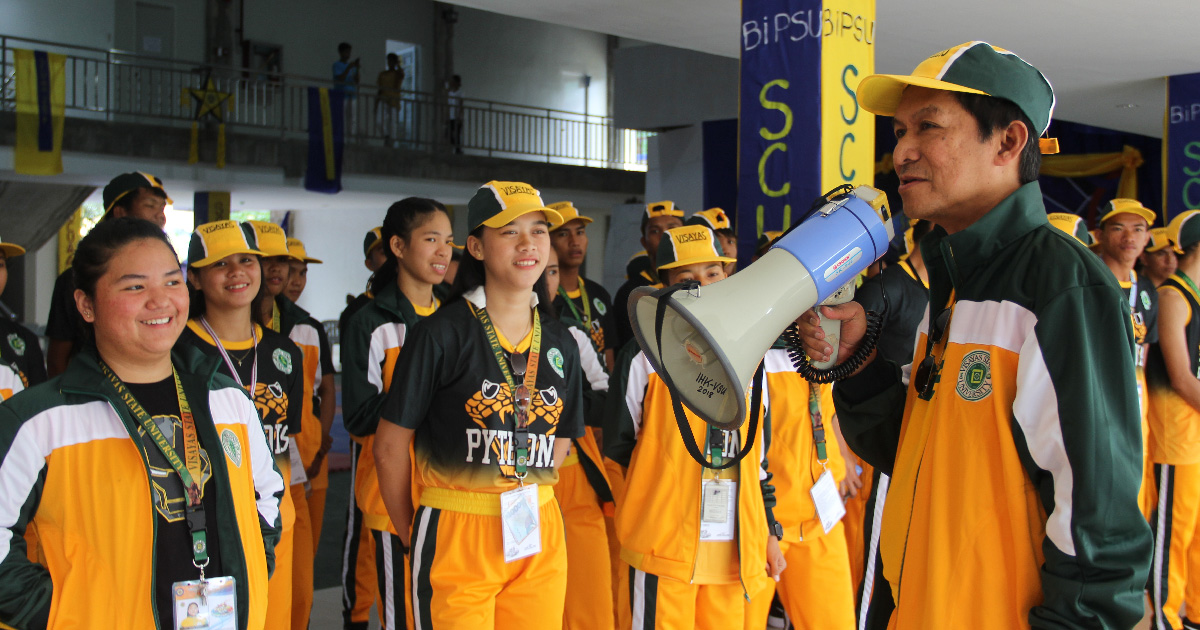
(973, 68)
(1072, 224)
(1184, 229)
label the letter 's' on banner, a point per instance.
(800, 129)
(1181, 146)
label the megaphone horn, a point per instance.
(713, 338)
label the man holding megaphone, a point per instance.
(1013, 439)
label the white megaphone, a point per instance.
(713, 338)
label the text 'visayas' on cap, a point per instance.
(1184, 229)
(125, 183)
(297, 250)
(1160, 238)
(213, 241)
(271, 239)
(689, 245)
(713, 219)
(567, 213)
(373, 239)
(1072, 224)
(1132, 206)
(973, 68)
(496, 204)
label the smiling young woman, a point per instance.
(224, 271)
(129, 457)
(416, 240)
(488, 393)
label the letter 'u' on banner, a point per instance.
(800, 129)
(1181, 146)
(41, 103)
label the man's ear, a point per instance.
(1013, 139)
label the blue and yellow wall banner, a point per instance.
(801, 131)
(1181, 146)
(41, 104)
(326, 140)
(209, 206)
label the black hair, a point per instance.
(472, 274)
(456, 78)
(126, 200)
(391, 56)
(96, 250)
(402, 218)
(726, 232)
(993, 114)
(199, 306)
(344, 46)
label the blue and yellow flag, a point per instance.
(41, 102)
(326, 139)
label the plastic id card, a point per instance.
(717, 517)
(209, 604)
(521, 522)
(828, 501)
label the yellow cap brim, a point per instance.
(314, 261)
(204, 262)
(697, 261)
(11, 250)
(556, 225)
(1145, 213)
(512, 214)
(880, 93)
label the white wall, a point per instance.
(88, 23)
(700, 87)
(514, 60)
(675, 168)
(189, 27)
(336, 239)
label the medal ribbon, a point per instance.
(521, 408)
(229, 363)
(189, 472)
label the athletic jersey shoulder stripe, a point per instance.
(386, 336)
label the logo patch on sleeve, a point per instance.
(1145, 300)
(232, 447)
(555, 357)
(282, 360)
(600, 307)
(17, 344)
(975, 376)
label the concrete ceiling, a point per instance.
(1105, 58)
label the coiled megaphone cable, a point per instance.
(795, 350)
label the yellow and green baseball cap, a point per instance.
(373, 239)
(973, 68)
(1072, 224)
(1184, 229)
(713, 219)
(1160, 238)
(296, 249)
(567, 213)
(271, 239)
(1132, 206)
(496, 204)
(11, 249)
(765, 241)
(213, 241)
(126, 183)
(689, 245)
(663, 209)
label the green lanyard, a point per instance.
(189, 472)
(275, 317)
(818, 429)
(521, 393)
(1187, 280)
(716, 447)
(587, 309)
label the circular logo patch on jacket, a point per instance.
(555, 357)
(600, 307)
(1145, 300)
(282, 360)
(975, 376)
(232, 447)
(17, 344)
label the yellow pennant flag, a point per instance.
(41, 103)
(68, 238)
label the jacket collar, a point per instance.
(290, 314)
(83, 375)
(962, 253)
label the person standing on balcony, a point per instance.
(139, 195)
(454, 123)
(345, 77)
(388, 113)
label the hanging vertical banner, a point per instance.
(41, 104)
(209, 206)
(800, 130)
(68, 238)
(1181, 146)
(326, 125)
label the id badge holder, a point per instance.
(520, 521)
(206, 603)
(828, 501)
(717, 507)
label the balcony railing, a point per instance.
(119, 86)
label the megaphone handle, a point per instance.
(833, 327)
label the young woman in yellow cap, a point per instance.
(21, 354)
(225, 275)
(708, 549)
(417, 239)
(487, 397)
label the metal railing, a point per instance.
(119, 86)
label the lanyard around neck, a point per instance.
(189, 468)
(275, 317)
(521, 395)
(229, 363)
(587, 309)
